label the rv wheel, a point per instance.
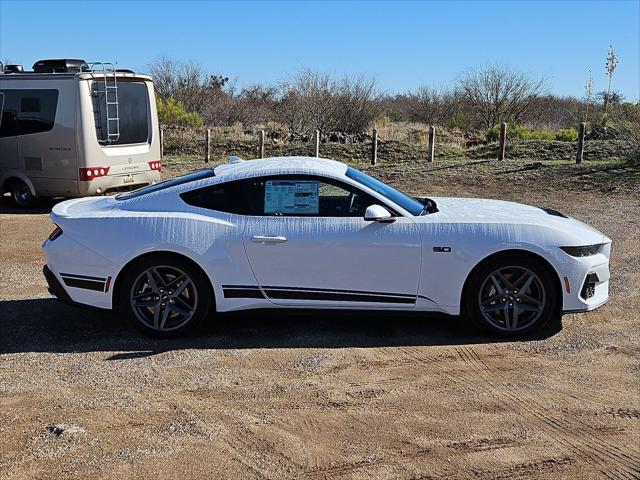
(21, 194)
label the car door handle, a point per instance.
(268, 239)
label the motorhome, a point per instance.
(71, 128)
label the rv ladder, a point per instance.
(110, 89)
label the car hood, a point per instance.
(483, 211)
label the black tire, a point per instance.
(509, 312)
(139, 299)
(21, 194)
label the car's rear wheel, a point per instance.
(21, 194)
(512, 295)
(165, 296)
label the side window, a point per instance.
(8, 124)
(296, 196)
(241, 197)
(313, 196)
(28, 111)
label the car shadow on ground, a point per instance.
(47, 325)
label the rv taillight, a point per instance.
(55, 234)
(156, 165)
(87, 174)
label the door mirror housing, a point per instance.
(377, 213)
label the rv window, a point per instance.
(132, 111)
(28, 111)
(30, 104)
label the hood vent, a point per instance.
(553, 212)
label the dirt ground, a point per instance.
(331, 395)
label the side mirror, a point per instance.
(376, 213)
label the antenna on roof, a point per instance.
(234, 159)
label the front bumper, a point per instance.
(585, 282)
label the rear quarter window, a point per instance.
(240, 197)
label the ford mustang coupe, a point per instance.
(297, 232)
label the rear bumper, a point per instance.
(57, 290)
(55, 287)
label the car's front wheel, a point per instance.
(165, 296)
(511, 295)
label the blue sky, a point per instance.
(402, 44)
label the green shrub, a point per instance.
(493, 134)
(172, 112)
(567, 135)
(520, 133)
(539, 135)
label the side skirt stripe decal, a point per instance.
(85, 277)
(330, 290)
(242, 293)
(336, 297)
(296, 293)
(85, 284)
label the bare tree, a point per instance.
(313, 100)
(200, 92)
(433, 106)
(497, 94)
(256, 104)
(183, 81)
(357, 104)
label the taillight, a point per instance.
(156, 165)
(87, 174)
(55, 234)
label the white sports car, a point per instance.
(312, 233)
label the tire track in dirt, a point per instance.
(626, 467)
(341, 469)
(333, 471)
(559, 428)
(577, 428)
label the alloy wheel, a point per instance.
(512, 298)
(164, 298)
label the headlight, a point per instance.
(584, 251)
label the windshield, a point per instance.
(409, 204)
(189, 177)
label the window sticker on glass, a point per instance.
(291, 197)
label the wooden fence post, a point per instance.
(503, 141)
(207, 138)
(316, 143)
(161, 143)
(261, 144)
(374, 147)
(580, 154)
(432, 144)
